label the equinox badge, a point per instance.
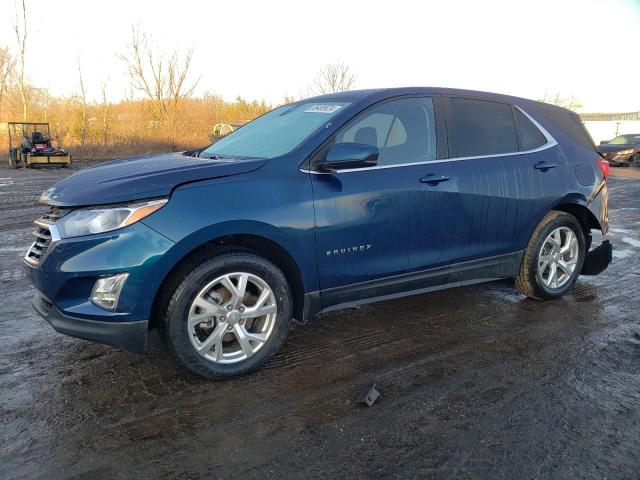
(356, 249)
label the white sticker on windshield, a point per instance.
(322, 108)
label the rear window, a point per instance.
(529, 135)
(481, 127)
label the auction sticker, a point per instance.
(323, 108)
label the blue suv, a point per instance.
(322, 204)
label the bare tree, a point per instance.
(46, 101)
(105, 110)
(288, 99)
(21, 35)
(162, 78)
(7, 64)
(82, 99)
(332, 78)
(556, 99)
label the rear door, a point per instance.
(478, 201)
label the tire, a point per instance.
(199, 300)
(536, 282)
(635, 160)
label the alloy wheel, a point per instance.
(232, 317)
(558, 258)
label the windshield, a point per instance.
(275, 133)
(625, 140)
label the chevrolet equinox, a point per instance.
(317, 205)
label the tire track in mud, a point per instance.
(19, 192)
(392, 335)
(397, 377)
(358, 335)
(396, 373)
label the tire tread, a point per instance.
(525, 282)
(180, 281)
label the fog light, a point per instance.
(106, 291)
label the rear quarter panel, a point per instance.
(583, 182)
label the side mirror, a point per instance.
(342, 156)
(603, 142)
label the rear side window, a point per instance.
(480, 127)
(569, 123)
(528, 134)
(584, 135)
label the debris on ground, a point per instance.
(372, 396)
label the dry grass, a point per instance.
(126, 129)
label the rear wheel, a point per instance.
(228, 316)
(553, 259)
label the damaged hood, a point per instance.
(139, 178)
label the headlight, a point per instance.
(86, 221)
(625, 152)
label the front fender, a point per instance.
(304, 260)
(276, 205)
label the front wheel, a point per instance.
(554, 257)
(228, 316)
(635, 160)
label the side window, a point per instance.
(480, 127)
(397, 134)
(371, 130)
(403, 130)
(528, 134)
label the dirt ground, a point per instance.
(476, 382)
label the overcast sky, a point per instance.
(269, 49)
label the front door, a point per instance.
(362, 214)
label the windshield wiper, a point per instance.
(215, 156)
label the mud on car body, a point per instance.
(317, 205)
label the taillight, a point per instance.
(604, 167)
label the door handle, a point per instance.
(431, 179)
(544, 166)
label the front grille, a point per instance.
(44, 224)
